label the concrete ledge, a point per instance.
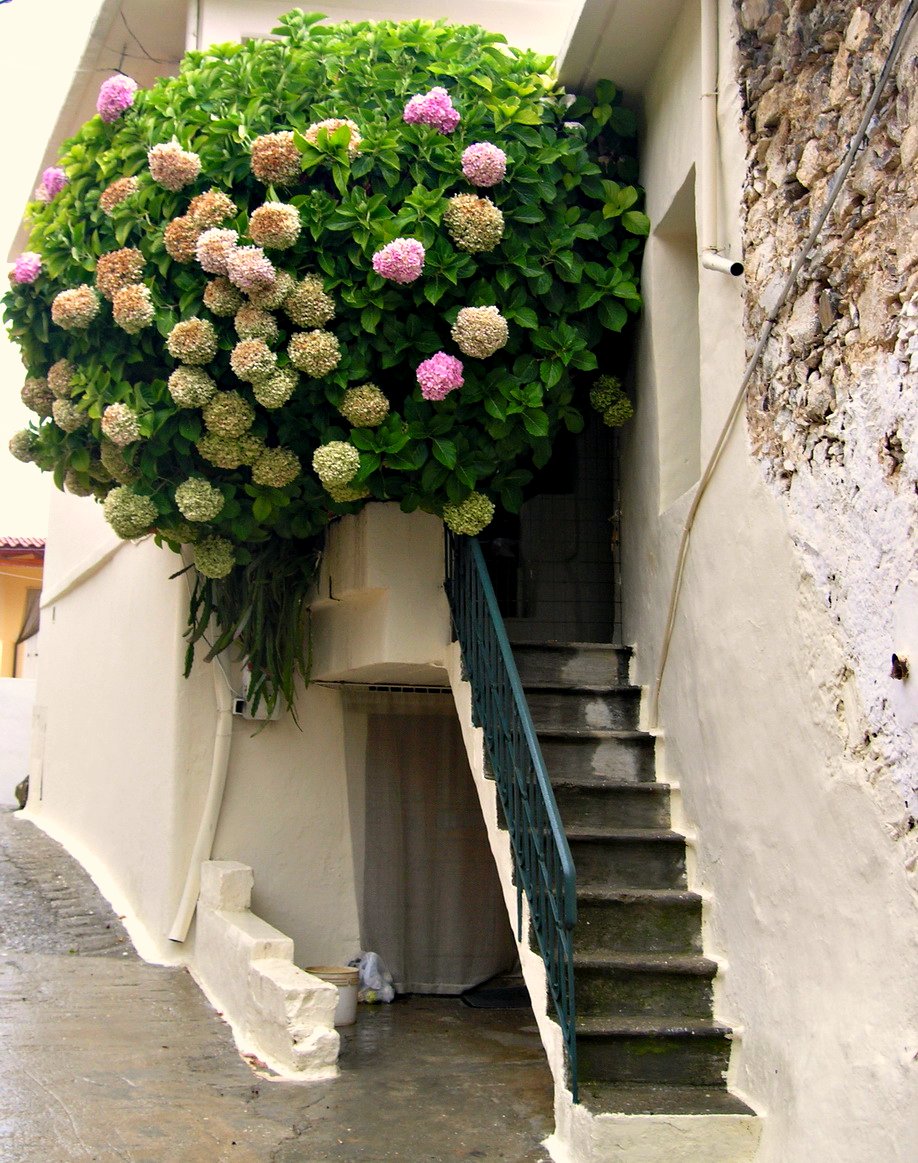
(582, 1137)
(277, 1012)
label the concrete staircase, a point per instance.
(647, 1040)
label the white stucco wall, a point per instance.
(123, 744)
(17, 697)
(809, 906)
(537, 24)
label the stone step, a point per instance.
(644, 985)
(587, 802)
(647, 1099)
(555, 708)
(638, 920)
(627, 857)
(683, 1053)
(619, 756)
(572, 663)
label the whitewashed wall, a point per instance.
(810, 908)
(17, 697)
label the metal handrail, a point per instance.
(542, 858)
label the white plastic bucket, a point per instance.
(346, 979)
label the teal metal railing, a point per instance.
(543, 864)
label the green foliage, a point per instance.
(563, 276)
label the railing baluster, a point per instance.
(543, 866)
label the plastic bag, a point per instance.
(375, 979)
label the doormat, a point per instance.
(506, 997)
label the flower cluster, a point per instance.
(180, 238)
(229, 414)
(60, 377)
(171, 166)
(480, 331)
(401, 261)
(484, 164)
(52, 182)
(198, 500)
(433, 108)
(191, 387)
(470, 516)
(75, 309)
(130, 514)
(336, 463)
(253, 322)
(37, 396)
(120, 424)
(68, 416)
(22, 445)
(132, 309)
(252, 360)
(347, 494)
(116, 465)
(275, 225)
(273, 296)
(474, 223)
(277, 389)
(115, 96)
(221, 297)
(275, 159)
(211, 208)
(26, 268)
(214, 556)
(314, 352)
(307, 304)
(213, 248)
(276, 468)
(229, 452)
(118, 269)
(115, 193)
(364, 407)
(249, 268)
(192, 341)
(607, 397)
(439, 375)
(330, 124)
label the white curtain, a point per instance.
(432, 906)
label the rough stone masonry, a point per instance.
(833, 410)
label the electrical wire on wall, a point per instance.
(786, 290)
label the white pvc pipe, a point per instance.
(207, 829)
(711, 258)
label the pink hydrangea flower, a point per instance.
(115, 95)
(434, 108)
(401, 261)
(52, 182)
(27, 267)
(439, 375)
(484, 164)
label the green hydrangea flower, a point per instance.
(130, 514)
(199, 500)
(213, 557)
(471, 516)
(336, 463)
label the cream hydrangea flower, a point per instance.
(336, 463)
(199, 500)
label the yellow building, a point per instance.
(21, 565)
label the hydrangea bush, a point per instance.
(359, 262)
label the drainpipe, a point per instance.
(203, 845)
(711, 258)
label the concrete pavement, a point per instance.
(107, 1058)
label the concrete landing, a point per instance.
(107, 1058)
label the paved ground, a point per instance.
(107, 1058)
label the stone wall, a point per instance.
(833, 408)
